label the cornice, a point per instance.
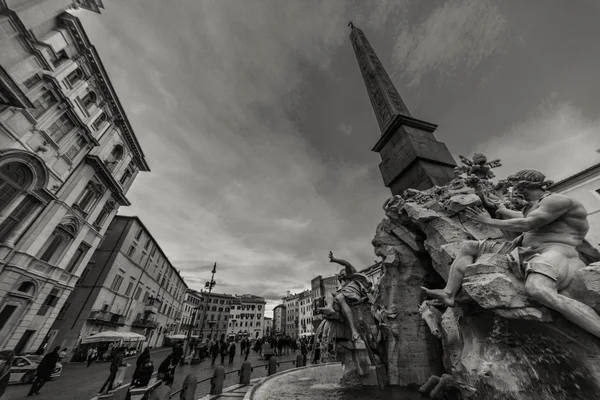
(105, 175)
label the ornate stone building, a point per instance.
(129, 285)
(212, 322)
(268, 327)
(279, 320)
(292, 317)
(305, 313)
(68, 156)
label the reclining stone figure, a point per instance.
(551, 228)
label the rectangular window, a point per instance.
(84, 276)
(138, 293)
(31, 82)
(80, 143)
(116, 285)
(153, 252)
(129, 289)
(60, 128)
(43, 103)
(63, 310)
(126, 175)
(49, 303)
(147, 243)
(146, 296)
(97, 124)
(138, 235)
(106, 210)
(16, 217)
(77, 257)
(131, 251)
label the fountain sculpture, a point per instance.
(494, 281)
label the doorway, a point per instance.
(23, 341)
(5, 315)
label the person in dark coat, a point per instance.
(224, 351)
(44, 370)
(177, 354)
(303, 350)
(242, 347)
(166, 370)
(231, 352)
(247, 351)
(6, 360)
(114, 367)
(144, 374)
(141, 360)
(214, 351)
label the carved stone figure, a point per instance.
(478, 166)
(354, 287)
(545, 253)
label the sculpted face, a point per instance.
(380, 250)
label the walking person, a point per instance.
(62, 354)
(303, 351)
(242, 347)
(141, 360)
(177, 354)
(231, 352)
(144, 374)
(6, 360)
(114, 367)
(214, 351)
(224, 351)
(166, 370)
(44, 370)
(92, 355)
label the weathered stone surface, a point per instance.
(495, 290)
(459, 202)
(540, 314)
(418, 213)
(488, 264)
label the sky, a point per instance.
(257, 126)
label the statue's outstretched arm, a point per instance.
(349, 268)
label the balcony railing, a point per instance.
(106, 318)
(145, 323)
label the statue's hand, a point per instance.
(477, 214)
(331, 258)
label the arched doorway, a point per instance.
(15, 177)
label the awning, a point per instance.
(176, 337)
(112, 336)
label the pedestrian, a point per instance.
(214, 351)
(62, 354)
(141, 360)
(303, 351)
(144, 374)
(43, 371)
(247, 352)
(166, 371)
(316, 352)
(6, 360)
(231, 352)
(224, 351)
(114, 367)
(242, 347)
(177, 354)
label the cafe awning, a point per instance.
(112, 336)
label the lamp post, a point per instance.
(209, 285)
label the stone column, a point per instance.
(11, 207)
(23, 225)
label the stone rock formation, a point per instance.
(496, 343)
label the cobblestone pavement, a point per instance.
(80, 383)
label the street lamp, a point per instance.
(209, 286)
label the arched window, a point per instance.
(99, 121)
(115, 157)
(15, 177)
(58, 241)
(26, 287)
(74, 77)
(89, 99)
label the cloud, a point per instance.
(345, 129)
(456, 34)
(556, 139)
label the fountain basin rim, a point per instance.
(251, 392)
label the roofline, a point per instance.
(586, 173)
(136, 218)
(128, 131)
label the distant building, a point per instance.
(292, 316)
(305, 313)
(68, 156)
(247, 316)
(129, 285)
(268, 327)
(215, 316)
(584, 186)
(279, 319)
(321, 288)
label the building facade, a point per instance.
(213, 315)
(321, 288)
(305, 313)
(279, 320)
(129, 285)
(68, 156)
(193, 300)
(292, 316)
(247, 316)
(268, 327)
(585, 187)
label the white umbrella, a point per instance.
(112, 336)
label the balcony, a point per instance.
(106, 318)
(144, 323)
(152, 306)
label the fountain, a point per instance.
(393, 329)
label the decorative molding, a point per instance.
(105, 175)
